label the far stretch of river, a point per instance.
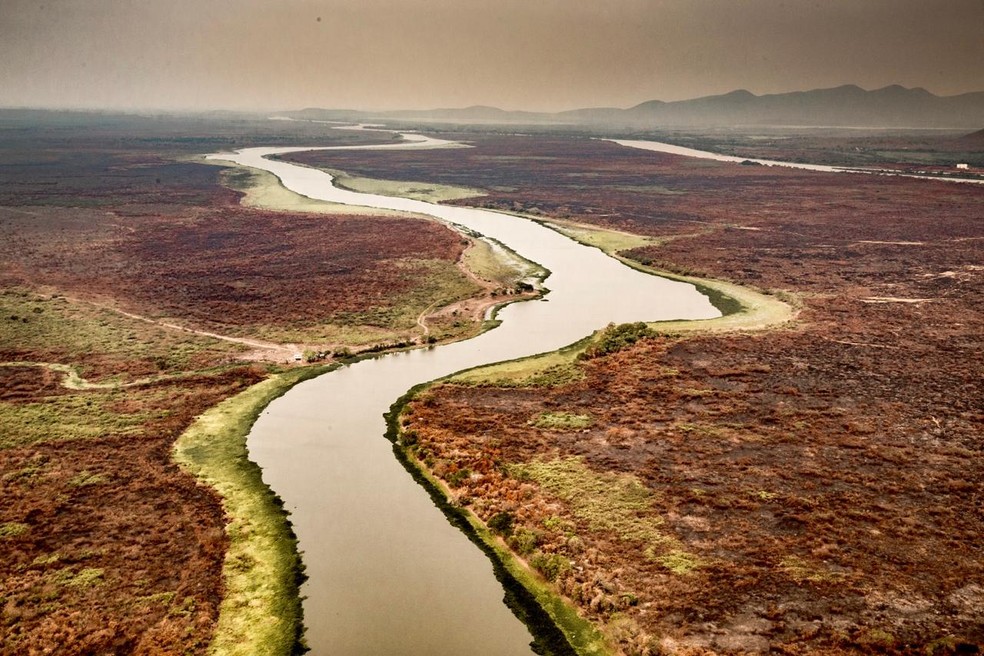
(388, 574)
(659, 147)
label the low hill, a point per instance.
(844, 106)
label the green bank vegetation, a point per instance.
(497, 264)
(557, 627)
(426, 191)
(742, 308)
(261, 609)
(263, 190)
(544, 370)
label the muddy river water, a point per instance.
(388, 574)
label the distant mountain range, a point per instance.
(844, 106)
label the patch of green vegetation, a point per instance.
(559, 525)
(552, 566)
(609, 241)
(677, 561)
(616, 504)
(261, 609)
(85, 477)
(524, 541)
(614, 338)
(26, 475)
(50, 559)
(501, 523)
(425, 191)
(800, 570)
(13, 529)
(158, 598)
(79, 416)
(89, 577)
(32, 322)
(876, 639)
(496, 263)
(545, 370)
(561, 421)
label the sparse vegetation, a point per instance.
(790, 464)
(605, 502)
(561, 421)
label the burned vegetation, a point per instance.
(810, 489)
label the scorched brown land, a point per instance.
(106, 546)
(812, 489)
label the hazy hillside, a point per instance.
(844, 106)
(848, 105)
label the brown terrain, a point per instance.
(812, 489)
(106, 547)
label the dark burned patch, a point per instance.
(231, 267)
(108, 546)
(27, 384)
(815, 485)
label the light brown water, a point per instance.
(387, 573)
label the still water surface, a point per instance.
(387, 573)
(660, 147)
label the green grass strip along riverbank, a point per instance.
(261, 610)
(557, 628)
(544, 611)
(742, 308)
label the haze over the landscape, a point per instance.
(547, 55)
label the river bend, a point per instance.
(388, 574)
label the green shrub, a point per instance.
(502, 523)
(552, 566)
(524, 541)
(616, 337)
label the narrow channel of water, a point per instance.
(388, 574)
(660, 147)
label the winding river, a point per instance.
(388, 574)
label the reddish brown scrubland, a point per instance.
(815, 488)
(107, 546)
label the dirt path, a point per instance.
(74, 381)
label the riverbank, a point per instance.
(262, 571)
(799, 489)
(132, 282)
(542, 605)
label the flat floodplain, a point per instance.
(112, 236)
(809, 488)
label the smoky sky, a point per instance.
(516, 54)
